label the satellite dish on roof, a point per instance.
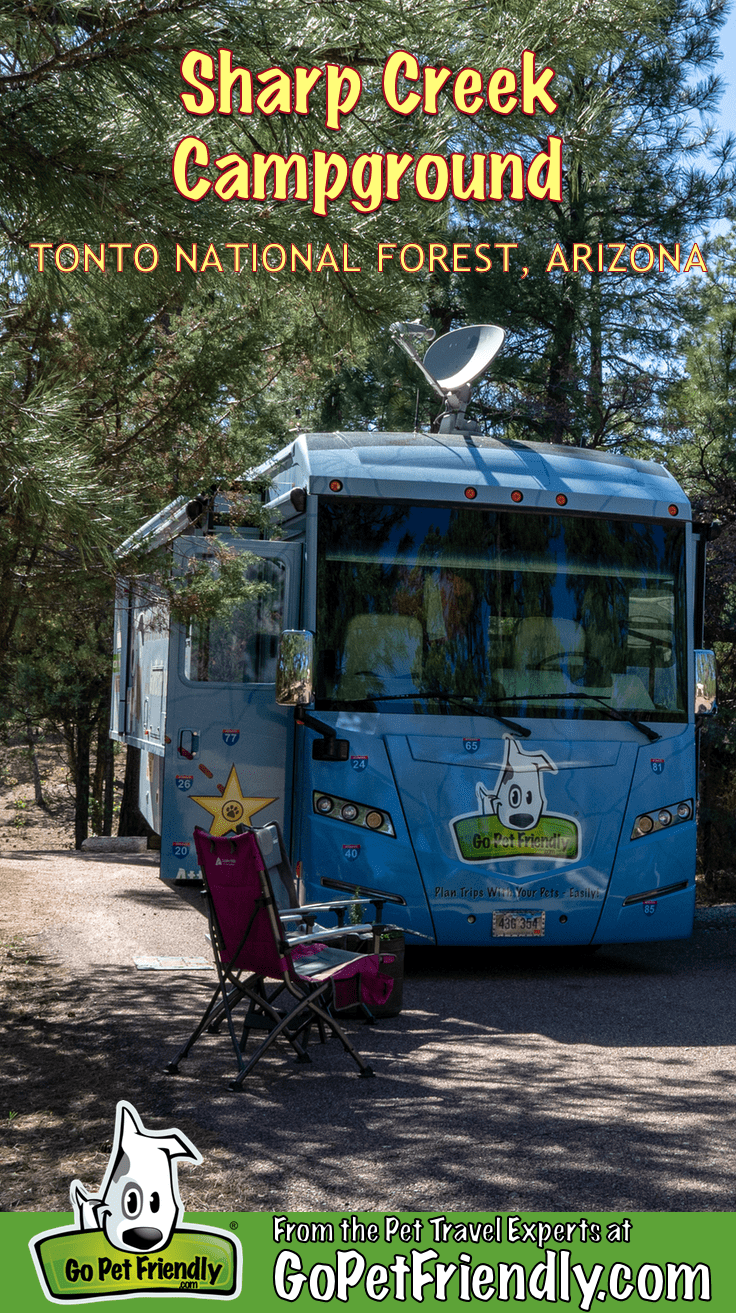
(462, 355)
(452, 363)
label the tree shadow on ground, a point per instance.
(522, 1082)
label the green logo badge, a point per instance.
(128, 1239)
(513, 821)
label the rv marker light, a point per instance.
(471, 493)
(561, 499)
(517, 496)
(335, 485)
(675, 814)
(673, 510)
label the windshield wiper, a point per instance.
(478, 708)
(613, 712)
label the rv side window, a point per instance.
(241, 649)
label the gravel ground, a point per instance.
(523, 1080)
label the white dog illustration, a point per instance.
(519, 799)
(138, 1205)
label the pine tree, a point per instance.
(640, 166)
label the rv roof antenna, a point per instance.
(409, 336)
(452, 363)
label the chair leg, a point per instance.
(218, 1014)
(319, 1015)
(172, 1067)
(212, 1019)
(365, 1069)
(281, 1028)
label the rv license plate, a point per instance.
(517, 925)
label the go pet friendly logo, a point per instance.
(128, 1239)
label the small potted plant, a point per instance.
(391, 952)
(388, 941)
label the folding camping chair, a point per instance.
(251, 946)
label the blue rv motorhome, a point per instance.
(487, 658)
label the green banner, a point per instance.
(482, 838)
(454, 1260)
(76, 1266)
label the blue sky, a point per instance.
(727, 70)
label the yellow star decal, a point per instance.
(231, 808)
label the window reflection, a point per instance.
(532, 612)
(243, 647)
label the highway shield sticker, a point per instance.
(129, 1239)
(513, 821)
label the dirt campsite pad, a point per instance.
(518, 1081)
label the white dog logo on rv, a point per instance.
(519, 799)
(138, 1206)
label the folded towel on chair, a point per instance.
(360, 979)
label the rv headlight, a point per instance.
(663, 818)
(360, 814)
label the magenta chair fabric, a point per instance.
(235, 873)
(285, 988)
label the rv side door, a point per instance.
(229, 746)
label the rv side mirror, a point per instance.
(705, 682)
(294, 668)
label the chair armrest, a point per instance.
(309, 908)
(321, 935)
(383, 925)
(299, 914)
(334, 904)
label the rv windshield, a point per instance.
(440, 610)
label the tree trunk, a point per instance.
(98, 782)
(81, 780)
(109, 798)
(37, 790)
(131, 822)
(595, 385)
(705, 814)
(559, 380)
